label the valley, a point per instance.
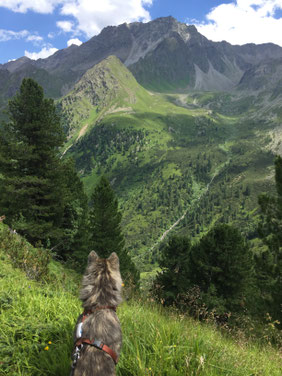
(201, 157)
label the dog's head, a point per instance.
(102, 281)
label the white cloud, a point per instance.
(39, 6)
(93, 15)
(34, 38)
(45, 52)
(75, 41)
(90, 15)
(51, 35)
(66, 26)
(244, 21)
(6, 35)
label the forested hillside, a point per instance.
(202, 157)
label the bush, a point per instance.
(34, 261)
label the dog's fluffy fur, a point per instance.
(101, 286)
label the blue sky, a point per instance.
(38, 28)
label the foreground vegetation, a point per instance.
(37, 320)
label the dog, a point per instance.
(98, 336)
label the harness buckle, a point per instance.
(76, 355)
(98, 344)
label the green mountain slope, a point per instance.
(106, 88)
(178, 162)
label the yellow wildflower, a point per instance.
(46, 348)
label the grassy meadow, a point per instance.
(38, 317)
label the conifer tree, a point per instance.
(105, 221)
(105, 234)
(174, 261)
(74, 233)
(40, 194)
(31, 189)
(269, 262)
(221, 265)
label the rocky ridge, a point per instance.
(163, 55)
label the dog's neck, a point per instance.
(92, 310)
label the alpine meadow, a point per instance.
(155, 144)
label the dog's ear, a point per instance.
(114, 260)
(92, 257)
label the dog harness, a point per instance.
(80, 342)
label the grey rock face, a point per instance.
(265, 76)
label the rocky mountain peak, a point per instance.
(14, 65)
(146, 37)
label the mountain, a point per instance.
(163, 54)
(12, 74)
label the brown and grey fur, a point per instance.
(101, 286)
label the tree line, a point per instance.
(41, 194)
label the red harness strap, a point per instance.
(99, 345)
(96, 343)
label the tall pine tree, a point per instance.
(174, 261)
(269, 262)
(35, 188)
(105, 234)
(73, 230)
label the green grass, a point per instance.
(37, 321)
(160, 342)
(32, 315)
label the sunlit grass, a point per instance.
(37, 322)
(159, 342)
